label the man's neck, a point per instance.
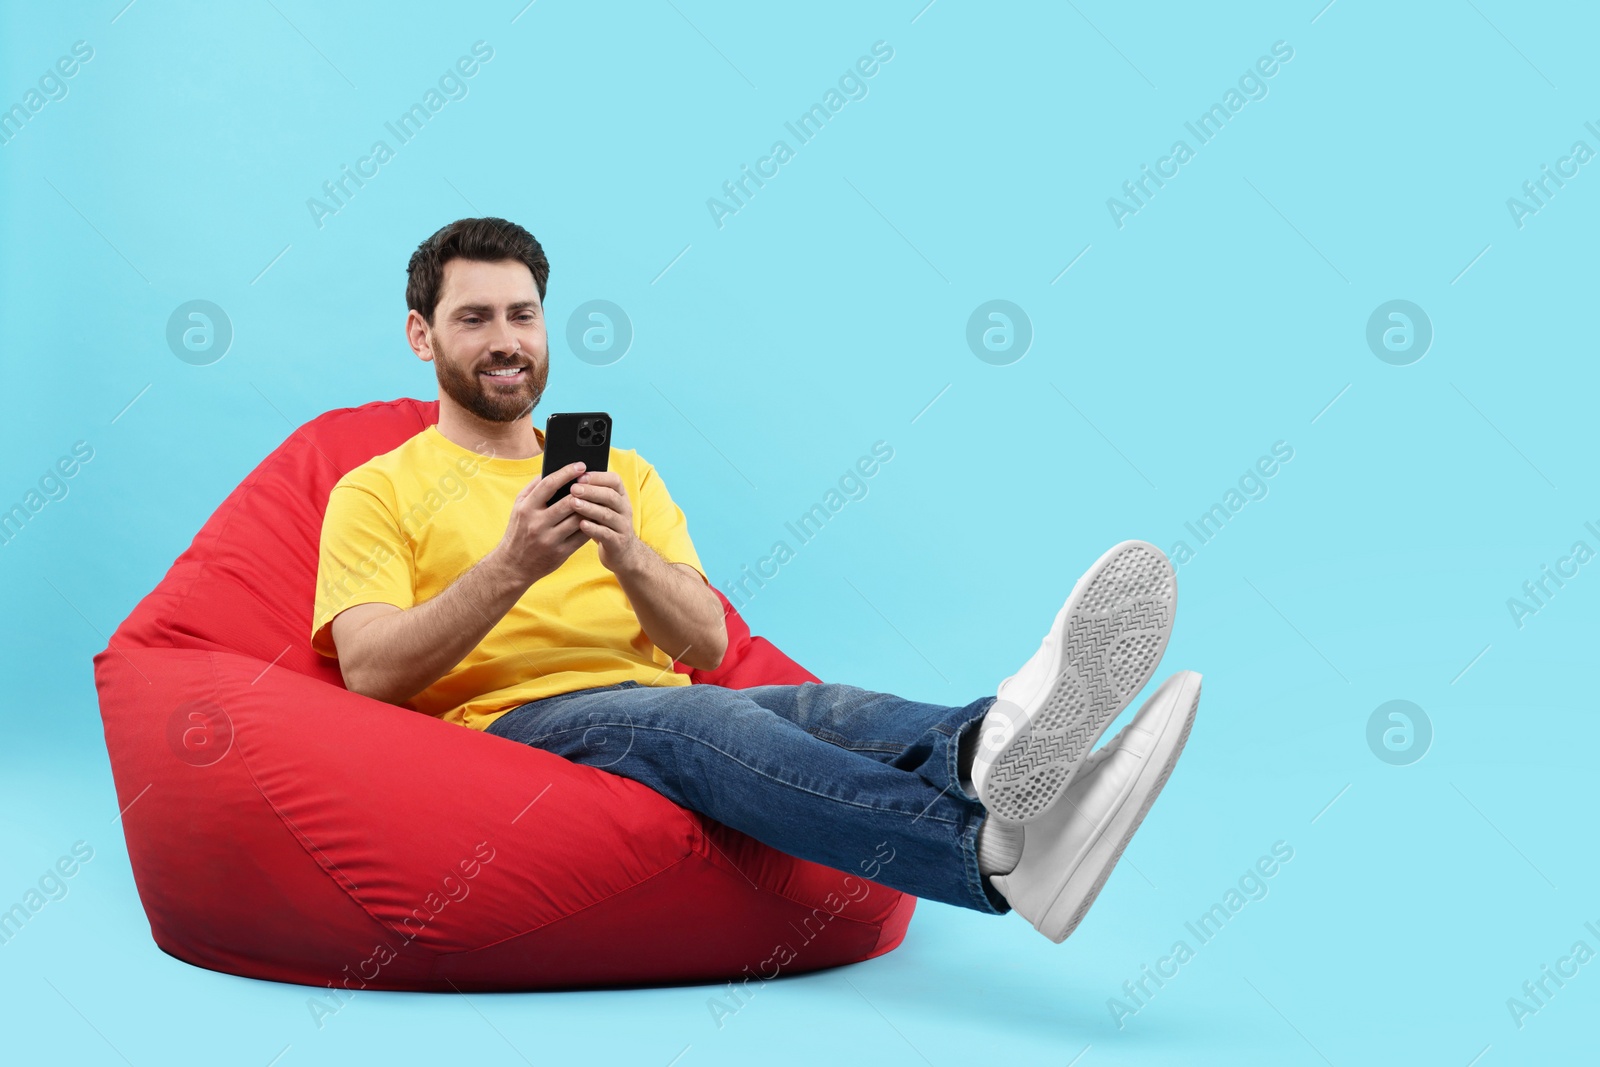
(504, 440)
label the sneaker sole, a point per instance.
(1118, 620)
(1074, 900)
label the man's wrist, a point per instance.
(502, 575)
(635, 562)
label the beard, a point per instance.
(488, 401)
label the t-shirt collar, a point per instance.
(533, 465)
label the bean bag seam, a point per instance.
(876, 926)
(780, 894)
(306, 846)
(339, 879)
(440, 956)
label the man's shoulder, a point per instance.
(628, 459)
(380, 474)
(634, 469)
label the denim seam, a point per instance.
(874, 744)
(975, 875)
(544, 701)
(953, 752)
(771, 777)
(969, 856)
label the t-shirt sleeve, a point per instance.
(363, 559)
(662, 524)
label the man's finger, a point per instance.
(602, 495)
(546, 515)
(542, 490)
(569, 523)
(609, 479)
(530, 487)
(602, 515)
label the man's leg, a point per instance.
(878, 770)
(999, 804)
(902, 733)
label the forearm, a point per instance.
(403, 653)
(677, 611)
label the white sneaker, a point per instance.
(1067, 857)
(1103, 647)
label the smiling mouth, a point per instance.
(509, 374)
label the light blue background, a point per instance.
(1223, 317)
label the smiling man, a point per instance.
(450, 584)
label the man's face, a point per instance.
(490, 317)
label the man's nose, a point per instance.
(505, 341)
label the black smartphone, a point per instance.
(570, 436)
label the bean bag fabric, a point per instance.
(282, 827)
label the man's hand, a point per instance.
(605, 515)
(677, 610)
(539, 535)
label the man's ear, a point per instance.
(419, 335)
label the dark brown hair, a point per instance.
(487, 240)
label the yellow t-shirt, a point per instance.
(400, 528)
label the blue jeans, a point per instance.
(825, 772)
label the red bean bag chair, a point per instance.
(282, 827)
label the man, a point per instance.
(448, 584)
